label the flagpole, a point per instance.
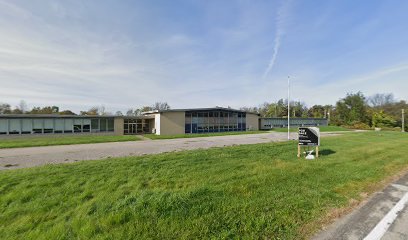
(288, 108)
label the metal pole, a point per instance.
(403, 121)
(288, 108)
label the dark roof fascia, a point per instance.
(54, 116)
(198, 109)
(296, 118)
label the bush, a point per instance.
(358, 125)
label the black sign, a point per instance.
(309, 136)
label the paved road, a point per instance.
(35, 156)
(384, 216)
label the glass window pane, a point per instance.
(68, 125)
(27, 125)
(104, 126)
(15, 126)
(110, 125)
(3, 126)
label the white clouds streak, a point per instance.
(281, 17)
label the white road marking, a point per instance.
(400, 187)
(388, 219)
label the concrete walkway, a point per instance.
(383, 216)
(36, 156)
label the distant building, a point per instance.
(166, 122)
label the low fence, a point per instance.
(269, 123)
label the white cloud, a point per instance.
(281, 18)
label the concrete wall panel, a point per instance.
(119, 126)
(172, 123)
(252, 122)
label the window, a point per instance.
(59, 126)
(68, 128)
(3, 126)
(103, 127)
(110, 123)
(14, 126)
(27, 126)
(48, 125)
(95, 125)
(86, 125)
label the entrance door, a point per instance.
(132, 128)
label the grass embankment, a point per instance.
(16, 142)
(322, 129)
(249, 191)
(195, 135)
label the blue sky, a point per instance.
(123, 54)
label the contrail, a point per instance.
(280, 22)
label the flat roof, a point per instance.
(68, 116)
(199, 109)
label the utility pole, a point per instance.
(288, 108)
(403, 121)
(328, 117)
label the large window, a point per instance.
(136, 126)
(55, 125)
(214, 121)
(3, 126)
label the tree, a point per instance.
(130, 112)
(67, 112)
(92, 111)
(250, 109)
(381, 99)
(160, 106)
(44, 110)
(380, 119)
(119, 113)
(22, 106)
(352, 109)
(5, 108)
(317, 111)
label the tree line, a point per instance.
(354, 110)
(22, 108)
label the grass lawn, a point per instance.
(251, 191)
(61, 140)
(322, 129)
(195, 135)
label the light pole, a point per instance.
(403, 121)
(288, 108)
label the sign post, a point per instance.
(309, 136)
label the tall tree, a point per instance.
(5, 108)
(352, 109)
(161, 106)
(381, 99)
(92, 111)
(22, 106)
(67, 112)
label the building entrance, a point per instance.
(132, 128)
(136, 126)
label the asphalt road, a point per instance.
(384, 216)
(36, 156)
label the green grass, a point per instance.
(251, 191)
(16, 142)
(322, 129)
(195, 135)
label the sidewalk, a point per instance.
(383, 216)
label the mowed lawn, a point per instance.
(250, 191)
(196, 135)
(30, 141)
(322, 129)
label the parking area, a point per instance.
(36, 156)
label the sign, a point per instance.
(309, 136)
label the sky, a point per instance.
(193, 54)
